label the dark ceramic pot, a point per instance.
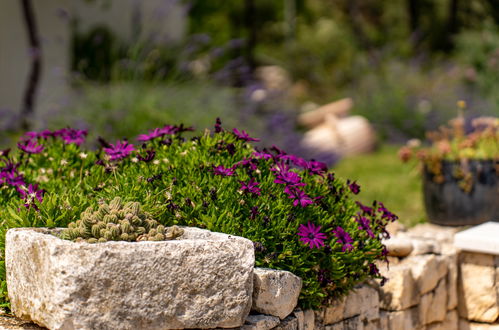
(447, 204)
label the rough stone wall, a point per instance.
(431, 286)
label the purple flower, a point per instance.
(8, 175)
(262, 155)
(311, 235)
(45, 134)
(288, 178)
(30, 147)
(354, 187)
(155, 133)
(220, 170)
(298, 196)
(251, 187)
(315, 167)
(373, 270)
(69, 135)
(242, 135)
(148, 157)
(254, 212)
(218, 125)
(119, 150)
(279, 152)
(365, 209)
(247, 162)
(387, 215)
(343, 238)
(364, 225)
(30, 194)
(168, 130)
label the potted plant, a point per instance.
(460, 171)
(298, 215)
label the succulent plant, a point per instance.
(118, 222)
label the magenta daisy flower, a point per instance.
(311, 235)
(299, 197)
(69, 135)
(343, 238)
(251, 186)
(155, 133)
(30, 147)
(31, 194)
(223, 171)
(119, 150)
(242, 135)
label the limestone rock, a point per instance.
(442, 234)
(334, 312)
(363, 301)
(289, 323)
(260, 322)
(466, 325)
(275, 292)
(425, 246)
(300, 317)
(433, 305)
(309, 320)
(399, 292)
(427, 271)
(406, 319)
(450, 322)
(398, 246)
(202, 280)
(478, 299)
(452, 282)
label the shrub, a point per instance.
(457, 144)
(300, 217)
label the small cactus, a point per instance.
(118, 222)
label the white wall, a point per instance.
(163, 19)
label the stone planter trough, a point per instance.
(201, 280)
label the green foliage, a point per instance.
(201, 182)
(118, 222)
(382, 178)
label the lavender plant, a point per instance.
(300, 217)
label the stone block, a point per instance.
(467, 325)
(399, 292)
(482, 239)
(363, 301)
(300, 317)
(449, 323)
(425, 246)
(452, 282)
(433, 305)
(427, 270)
(406, 319)
(308, 320)
(202, 280)
(289, 323)
(478, 298)
(334, 312)
(275, 292)
(398, 246)
(260, 322)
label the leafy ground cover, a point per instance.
(382, 176)
(300, 217)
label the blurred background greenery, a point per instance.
(405, 63)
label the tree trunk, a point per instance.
(250, 22)
(29, 97)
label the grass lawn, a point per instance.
(383, 177)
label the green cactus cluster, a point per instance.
(118, 222)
